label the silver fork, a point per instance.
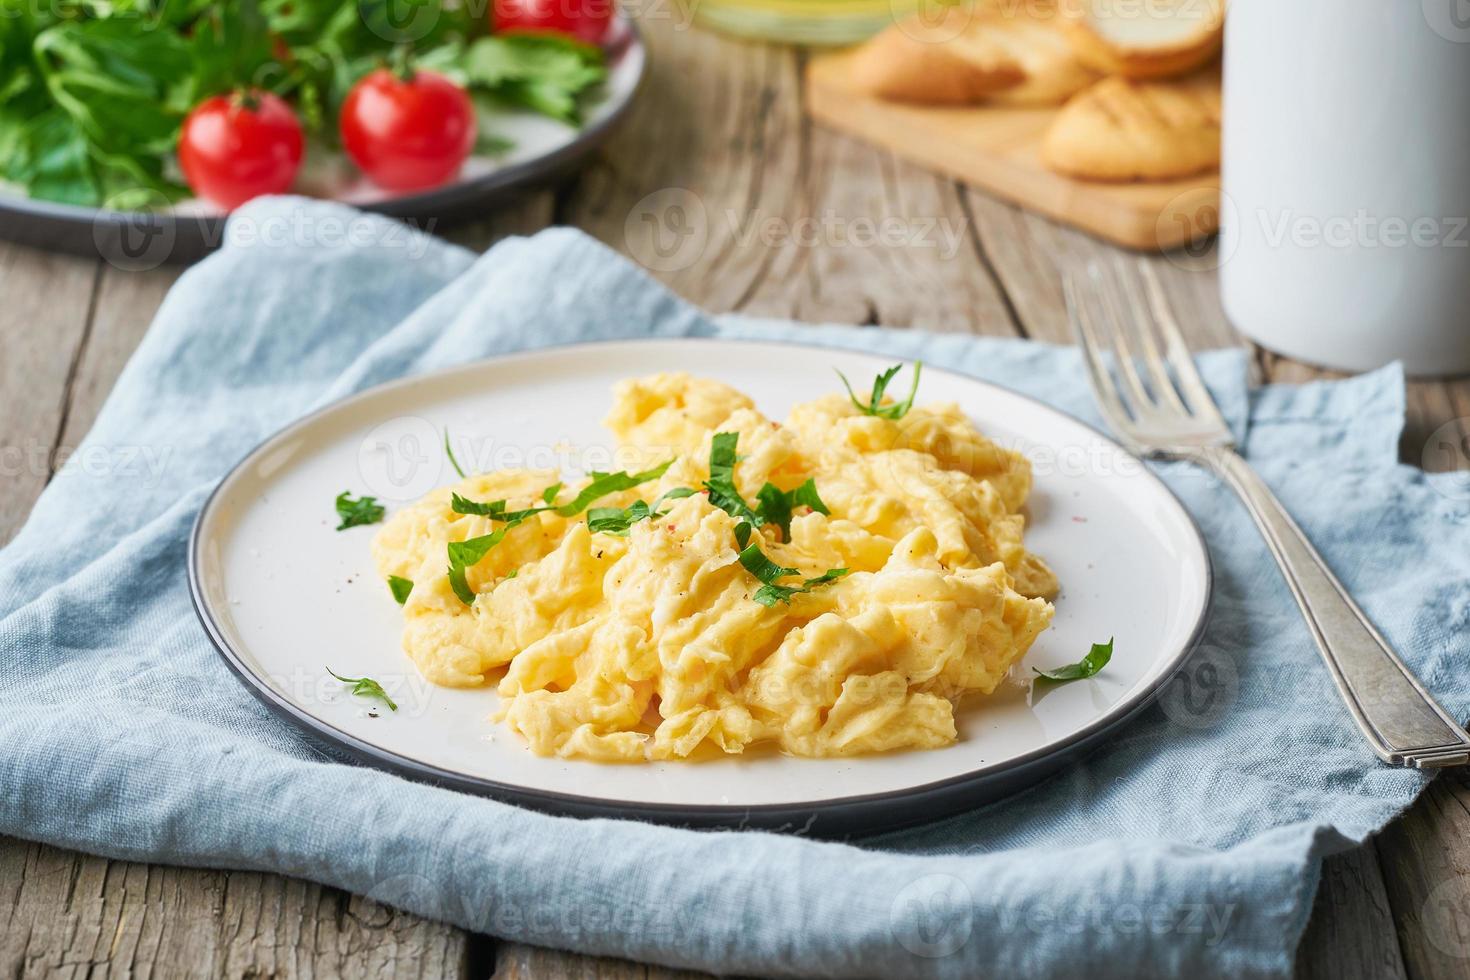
(1165, 412)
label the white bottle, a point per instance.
(1345, 237)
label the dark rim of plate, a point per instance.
(915, 804)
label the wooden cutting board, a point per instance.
(998, 148)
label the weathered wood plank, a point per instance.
(1031, 254)
(514, 961)
(1427, 872)
(71, 915)
(43, 322)
(124, 307)
(1351, 932)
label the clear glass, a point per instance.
(823, 22)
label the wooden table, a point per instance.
(782, 205)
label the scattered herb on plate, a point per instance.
(1097, 658)
(366, 687)
(355, 513)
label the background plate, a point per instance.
(283, 595)
(544, 151)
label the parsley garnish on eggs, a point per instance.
(463, 555)
(775, 507)
(875, 406)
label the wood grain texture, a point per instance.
(1351, 932)
(1426, 865)
(514, 961)
(999, 149)
(43, 324)
(64, 914)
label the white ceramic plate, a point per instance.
(283, 595)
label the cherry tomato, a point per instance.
(585, 20)
(235, 147)
(407, 133)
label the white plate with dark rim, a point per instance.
(284, 596)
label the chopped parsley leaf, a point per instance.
(619, 520)
(465, 554)
(773, 505)
(1097, 658)
(602, 484)
(767, 571)
(721, 483)
(400, 587)
(776, 505)
(364, 510)
(607, 483)
(875, 404)
(366, 687)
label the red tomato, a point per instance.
(235, 147)
(585, 20)
(408, 134)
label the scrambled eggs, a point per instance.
(900, 587)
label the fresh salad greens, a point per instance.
(93, 92)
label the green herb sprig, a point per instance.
(355, 513)
(464, 555)
(767, 571)
(773, 505)
(366, 687)
(400, 587)
(874, 405)
(1097, 658)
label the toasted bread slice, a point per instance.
(917, 61)
(1122, 130)
(1036, 41)
(1152, 39)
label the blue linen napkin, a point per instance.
(1190, 843)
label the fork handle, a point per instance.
(1399, 718)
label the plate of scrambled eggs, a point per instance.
(702, 581)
